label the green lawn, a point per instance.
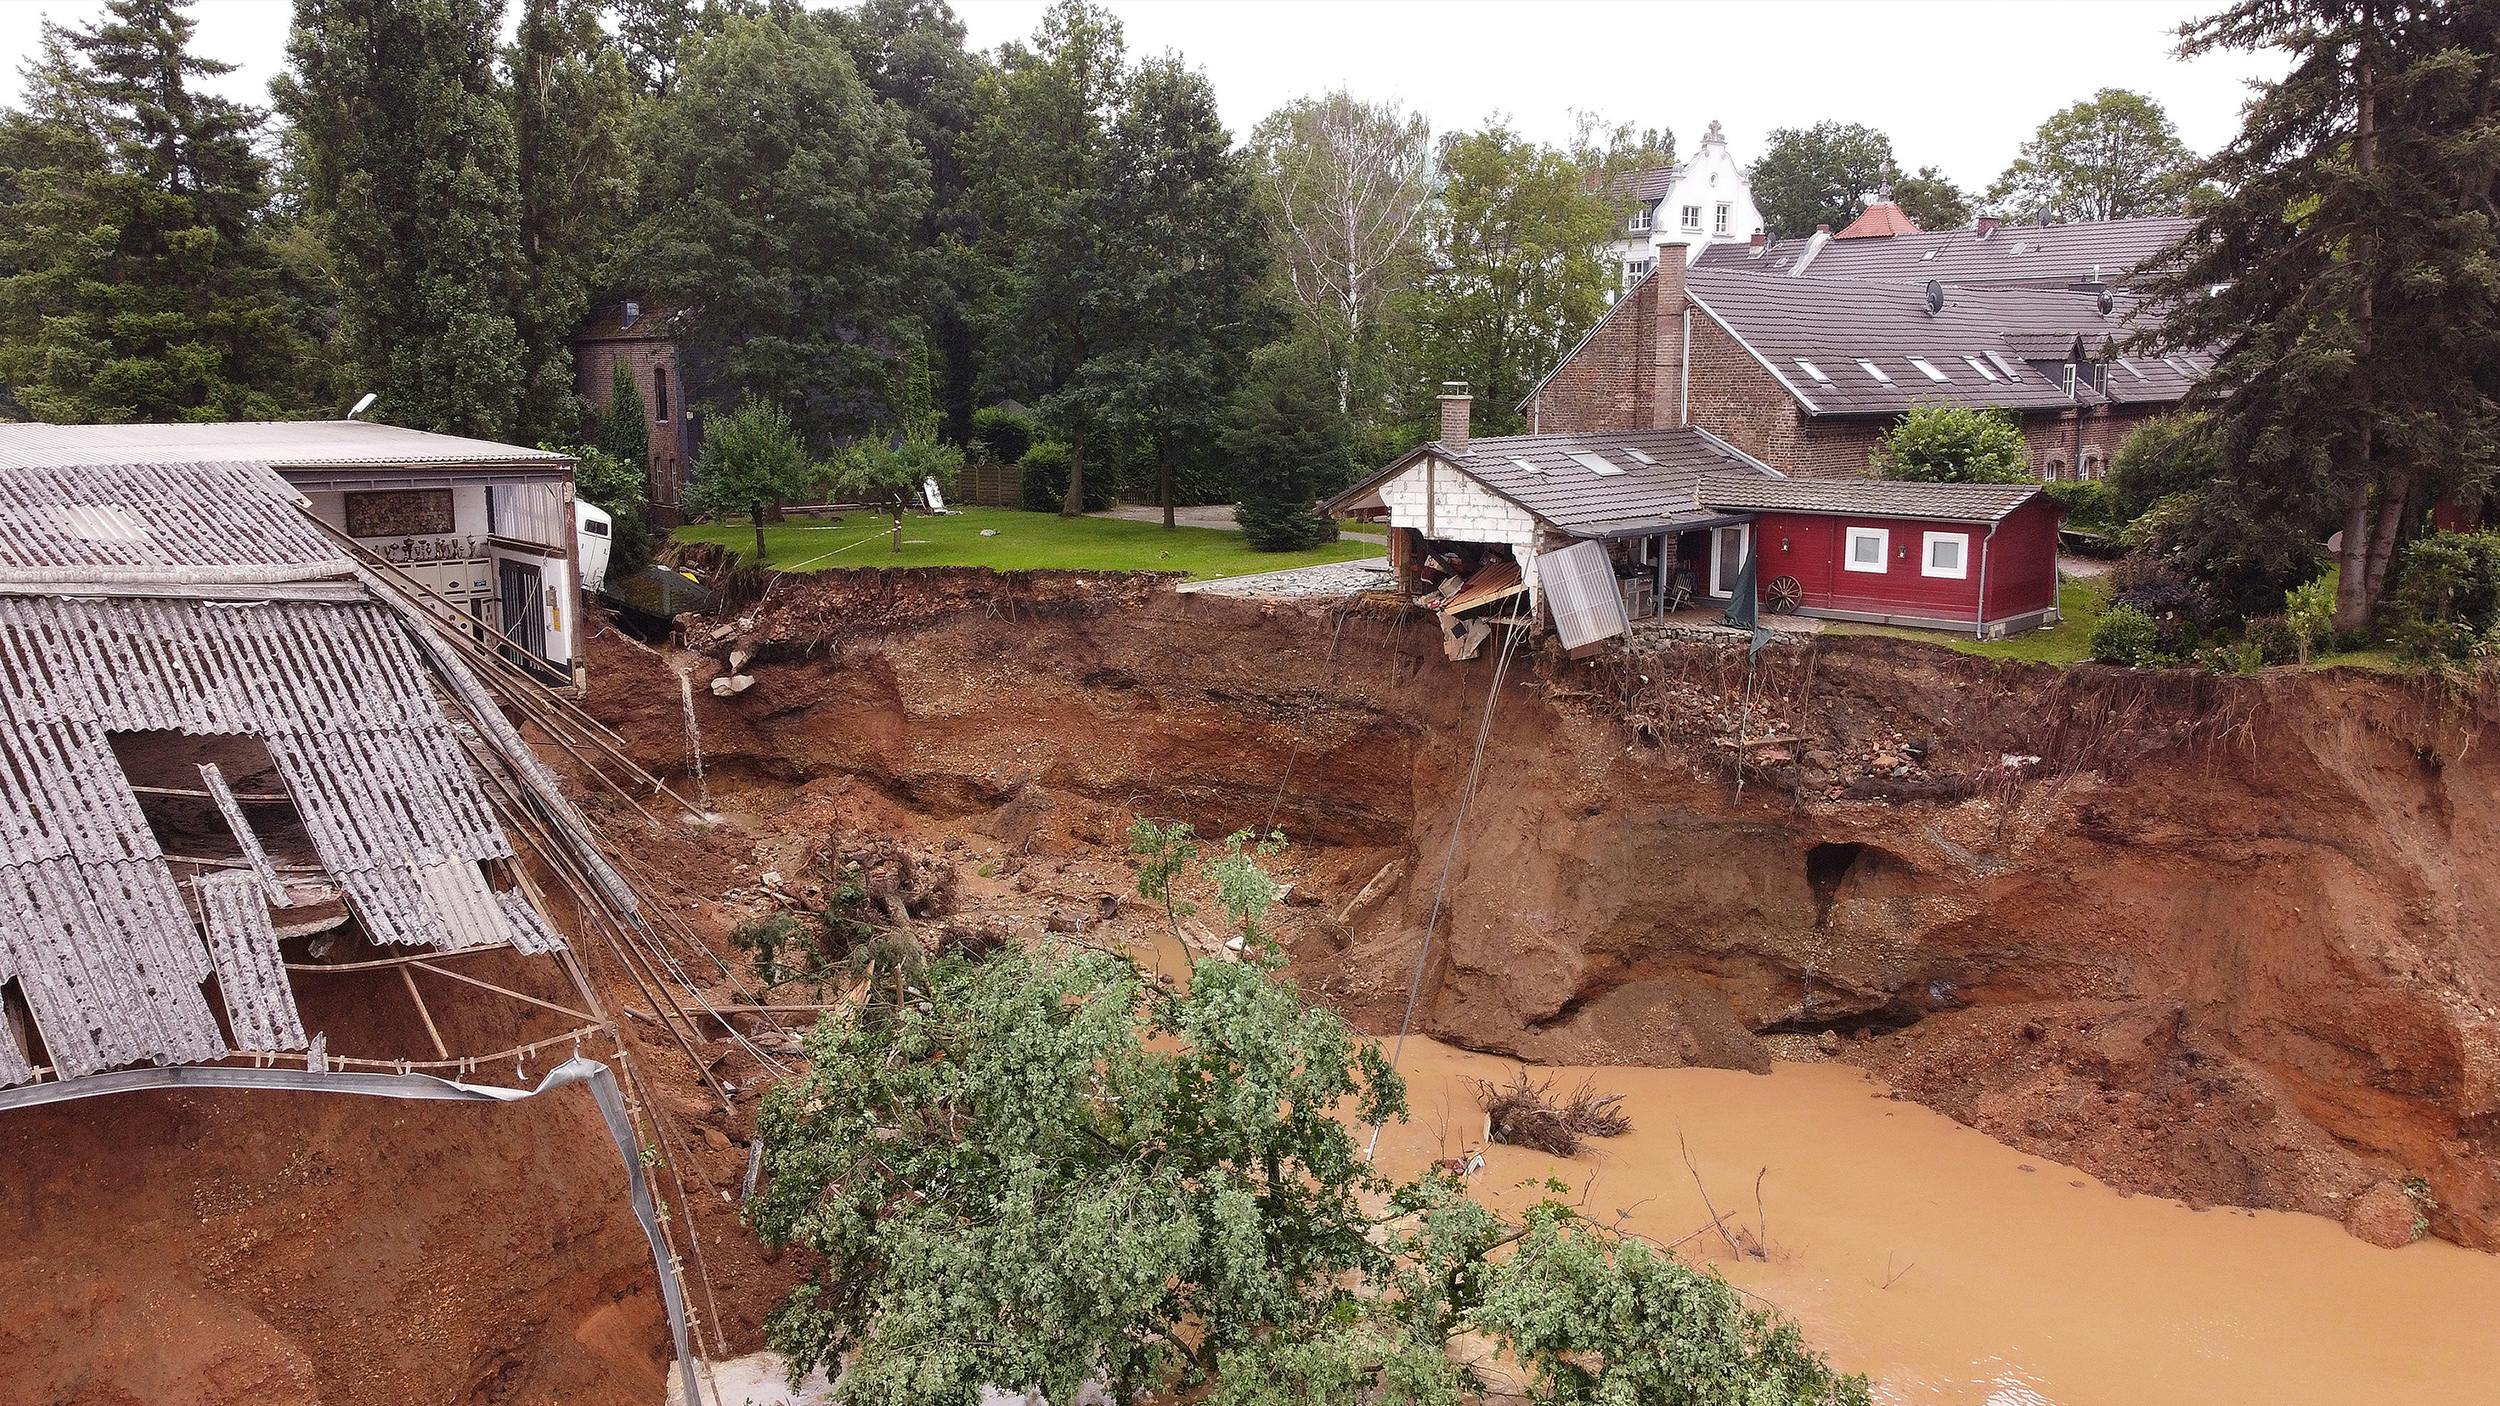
(1024, 542)
(2080, 602)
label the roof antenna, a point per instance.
(364, 405)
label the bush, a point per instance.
(2241, 553)
(2446, 596)
(2274, 640)
(2166, 456)
(1045, 486)
(1001, 436)
(2086, 503)
(1955, 444)
(2309, 613)
(2127, 636)
(1288, 447)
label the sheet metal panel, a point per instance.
(171, 521)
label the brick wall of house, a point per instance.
(594, 369)
(1605, 384)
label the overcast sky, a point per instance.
(1959, 83)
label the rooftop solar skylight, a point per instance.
(1593, 463)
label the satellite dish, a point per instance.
(2106, 302)
(1935, 297)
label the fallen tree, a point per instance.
(1052, 1170)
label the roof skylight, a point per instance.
(1524, 466)
(1637, 456)
(1871, 369)
(1813, 370)
(1928, 369)
(1985, 373)
(2131, 368)
(2003, 365)
(1593, 463)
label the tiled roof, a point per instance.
(1869, 497)
(1658, 480)
(1881, 220)
(2049, 255)
(1541, 474)
(280, 444)
(1821, 335)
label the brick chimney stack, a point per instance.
(1666, 343)
(1457, 407)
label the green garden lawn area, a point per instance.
(2080, 602)
(1025, 542)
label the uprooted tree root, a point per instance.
(1528, 1114)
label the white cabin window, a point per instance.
(1727, 558)
(1948, 554)
(1867, 547)
(1692, 217)
(1640, 218)
(1719, 222)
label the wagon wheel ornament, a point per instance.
(1785, 595)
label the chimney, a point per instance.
(1666, 342)
(1758, 237)
(1456, 407)
(1987, 226)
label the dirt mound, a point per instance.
(2211, 938)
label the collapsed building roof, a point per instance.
(143, 603)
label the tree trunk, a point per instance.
(1163, 483)
(2395, 507)
(898, 529)
(2352, 593)
(1075, 506)
(758, 514)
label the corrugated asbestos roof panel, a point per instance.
(155, 521)
(278, 443)
(92, 921)
(1868, 497)
(251, 976)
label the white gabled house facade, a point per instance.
(1705, 201)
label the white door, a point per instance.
(1727, 558)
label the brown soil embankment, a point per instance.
(2216, 939)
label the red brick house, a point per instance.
(1805, 373)
(642, 337)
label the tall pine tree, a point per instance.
(1180, 230)
(2348, 275)
(1039, 159)
(411, 173)
(136, 279)
(572, 97)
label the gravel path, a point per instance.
(1336, 578)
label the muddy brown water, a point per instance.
(2014, 1281)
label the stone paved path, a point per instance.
(1336, 578)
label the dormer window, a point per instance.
(1640, 219)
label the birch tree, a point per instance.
(1344, 184)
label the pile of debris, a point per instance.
(1529, 1114)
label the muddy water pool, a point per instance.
(1954, 1270)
